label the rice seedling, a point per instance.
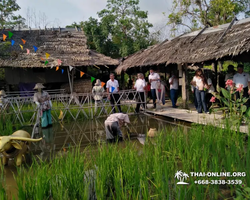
(121, 172)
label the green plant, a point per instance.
(234, 109)
(242, 193)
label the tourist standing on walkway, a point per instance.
(113, 126)
(97, 91)
(113, 95)
(242, 82)
(42, 100)
(174, 85)
(199, 82)
(153, 78)
(140, 86)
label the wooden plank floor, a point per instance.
(191, 116)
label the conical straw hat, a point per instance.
(38, 85)
(2, 93)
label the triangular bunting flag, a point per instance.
(21, 46)
(51, 66)
(62, 71)
(59, 62)
(12, 42)
(92, 79)
(70, 68)
(42, 58)
(102, 84)
(24, 41)
(4, 37)
(112, 89)
(57, 68)
(47, 55)
(81, 74)
(35, 48)
(46, 62)
(10, 34)
(28, 51)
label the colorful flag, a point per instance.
(46, 62)
(35, 48)
(62, 71)
(28, 51)
(41, 58)
(51, 66)
(59, 62)
(10, 34)
(47, 55)
(112, 89)
(92, 79)
(4, 37)
(12, 42)
(21, 46)
(57, 68)
(70, 68)
(81, 74)
(24, 41)
(102, 84)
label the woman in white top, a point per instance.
(139, 86)
(199, 82)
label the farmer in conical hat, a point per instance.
(97, 91)
(3, 99)
(42, 99)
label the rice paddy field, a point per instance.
(129, 170)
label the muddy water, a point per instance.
(60, 137)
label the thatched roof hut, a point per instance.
(65, 44)
(68, 45)
(194, 48)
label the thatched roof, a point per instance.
(204, 48)
(68, 45)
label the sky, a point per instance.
(65, 12)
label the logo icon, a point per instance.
(181, 176)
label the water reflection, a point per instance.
(83, 133)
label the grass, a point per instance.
(115, 172)
(6, 126)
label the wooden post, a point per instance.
(218, 76)
(184, 86)
(70, 86)
(214, 65)
(122, 79)
(72, 79)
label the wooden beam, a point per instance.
(199, 33)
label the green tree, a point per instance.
(122, 30)
(7, 17)
(194, 14)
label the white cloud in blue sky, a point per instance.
(65, 12)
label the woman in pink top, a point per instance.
(200, 82)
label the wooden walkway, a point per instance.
(192, 117)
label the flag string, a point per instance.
(48, 55)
